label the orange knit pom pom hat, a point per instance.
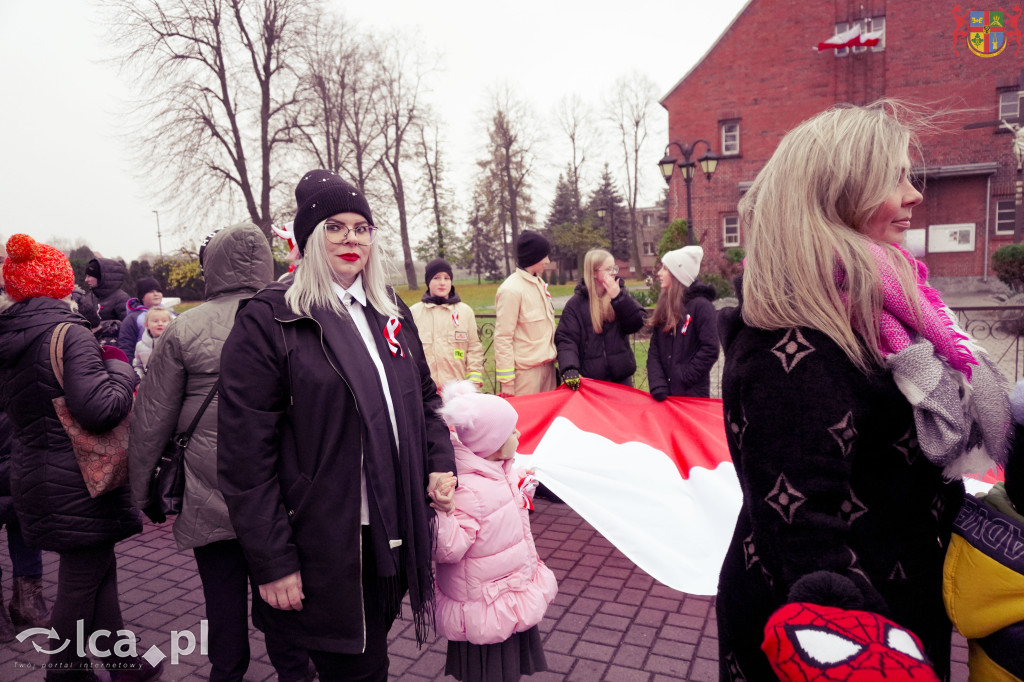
(36, 270)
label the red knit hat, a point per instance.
(36, 270)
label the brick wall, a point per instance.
(764, 72)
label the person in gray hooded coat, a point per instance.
(236, 263)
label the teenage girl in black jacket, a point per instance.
(684, 338)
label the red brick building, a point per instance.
(764, 75)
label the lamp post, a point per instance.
(708, 164)
(159, 242)
(601, 213)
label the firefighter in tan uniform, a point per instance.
(524, 330)
(447, 328)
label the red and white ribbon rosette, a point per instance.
(455, 318)
(391, 334)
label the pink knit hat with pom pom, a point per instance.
(482, 422)
(36, 270)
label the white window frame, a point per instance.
(953, 238)
(730, 138)
(649, 249)
(731, 231)
(1010, 105)
(1006, 215)
(842, 27)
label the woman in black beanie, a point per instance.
(447, 329)
(330, 490)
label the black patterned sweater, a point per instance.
(832, 479)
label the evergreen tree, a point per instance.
(615, 222)
(563, 206)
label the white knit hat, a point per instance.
(684, 263)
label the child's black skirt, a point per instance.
(520, 654)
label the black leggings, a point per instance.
(86, 591)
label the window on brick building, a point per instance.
(1010, 105)
(867, 25)
(730, 138)
(1006, 216)
(649, 249)
(731, 230)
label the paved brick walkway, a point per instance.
(610, 621)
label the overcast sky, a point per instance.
(65, 167)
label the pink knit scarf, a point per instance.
(899, 321)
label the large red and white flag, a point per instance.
(654, 478)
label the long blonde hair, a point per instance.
(312, 285)
(600, 306)
(802, 216)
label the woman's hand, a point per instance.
(285, 593)
(610, 283)
(441, 491)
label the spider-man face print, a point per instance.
(806, 642)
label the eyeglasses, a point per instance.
(614, 270)
(360, 234)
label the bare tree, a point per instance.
(511, 158)
(575, 122)
(401, 83)
(437, 190)
(340, 126)
(630, 106)
(218, 92)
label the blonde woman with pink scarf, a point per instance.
(853, 402)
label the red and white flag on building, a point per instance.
(653, 478)
(854, 37)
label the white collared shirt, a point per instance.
(351, 297)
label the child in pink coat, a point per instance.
(492, 588)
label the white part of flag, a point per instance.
(676, 529)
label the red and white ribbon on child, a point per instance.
(546, 292)
(527, 485)
(455, 317)
(391, 333)
(686, 324)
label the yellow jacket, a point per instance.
(524, 327)
(983, 586)
(450, 341)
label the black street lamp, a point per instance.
(708, 164)
(601, 213)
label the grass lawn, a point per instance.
(480, 297)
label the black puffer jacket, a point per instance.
(607, 356)
(679, 362)
(111, 298)
(50, 496)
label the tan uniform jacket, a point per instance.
(453, 350)
(524, 329)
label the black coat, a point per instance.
(833, 479)
(50, 496)
(679, 362)
(607, 356)
(301, 411)
(112, 300)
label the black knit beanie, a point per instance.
(93, 269)
(531, 248)
(321, 194)
(435, 266)
(146, 285)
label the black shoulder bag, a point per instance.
(167, 484)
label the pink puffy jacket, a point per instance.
(490, 581)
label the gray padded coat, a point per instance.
(183, 368)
